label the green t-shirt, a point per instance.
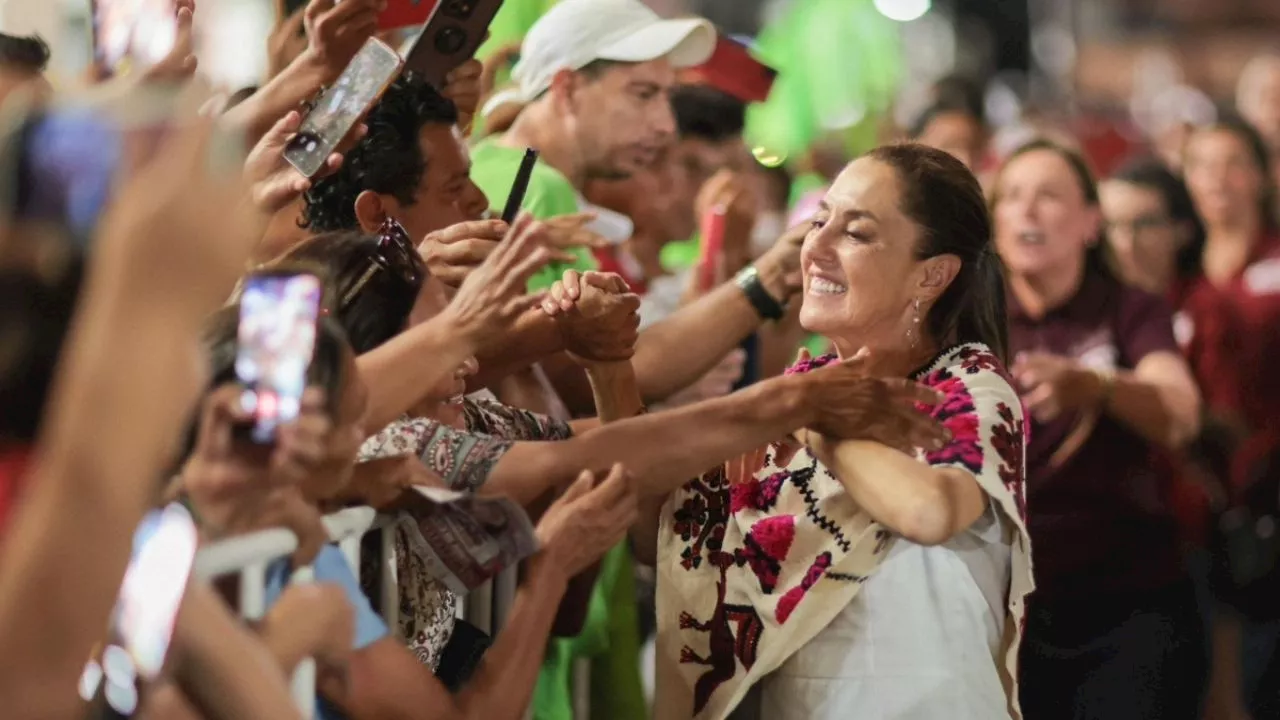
(494, 168)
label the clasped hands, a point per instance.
(849, 400)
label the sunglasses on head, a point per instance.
(394, 254)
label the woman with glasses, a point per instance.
(1154, 237)
(1113, 631)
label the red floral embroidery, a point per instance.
(958, 414)
(765, 549)
(1008, 438)
(788, 602)
(756, 494)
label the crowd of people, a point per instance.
(943, 431)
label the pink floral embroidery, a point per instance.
(957, 414)
(788, 602)
(757, 494)
(765, 548)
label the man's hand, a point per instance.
(728, 191)
(597, 315)
(453, 253)
(493, 297)
(780, 266)
(587, 521)
(462, 86)
(336, 31)
(286, 43)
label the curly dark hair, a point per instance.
(388, 160)
(28, 54)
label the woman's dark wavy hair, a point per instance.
(1257, 147)
(1153, 175)
(1095, 255)
(380, 310)
(944, 199)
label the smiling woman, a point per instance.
(769, 559)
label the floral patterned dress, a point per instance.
(464, 460)
(757, 559)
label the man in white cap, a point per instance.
(593, 77)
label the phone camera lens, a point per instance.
(450, 40)
(460, 9)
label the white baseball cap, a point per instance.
(575, 33)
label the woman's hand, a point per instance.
(848, 404)
(1053, 384)
(225, 479)
(587, 520)
(336, 31)
(273, 182)
(597, 315)
(493, 297)
(381, 483)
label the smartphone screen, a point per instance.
(277, 336)
(164, 547)
(405, 13)
(141, 31)
(341, 106)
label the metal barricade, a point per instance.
(250, 556)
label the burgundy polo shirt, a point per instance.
(1099, 517)
(1231, 335)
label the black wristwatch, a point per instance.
(767, 306)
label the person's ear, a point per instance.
(564, 90)
(372, 209)
(936, 275)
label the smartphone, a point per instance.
(451, 36)
(341, 107)
(139, 32)
(276, 337)
(406, 13)
(733, 69)
(520, 186)
(164, 548)
(712, 247)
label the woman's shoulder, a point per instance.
(973, 364)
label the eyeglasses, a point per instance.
(396, 255)
(1138, 227)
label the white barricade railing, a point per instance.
(250, 555)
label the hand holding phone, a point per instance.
(164, 548)
(277, 336)
(139, 31)
(341, 107)
(451, 36)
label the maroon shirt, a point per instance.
(1099, 520)
(1232, 336)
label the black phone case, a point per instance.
(450, 37)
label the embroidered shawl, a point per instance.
(749, 571)
(463, 459)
